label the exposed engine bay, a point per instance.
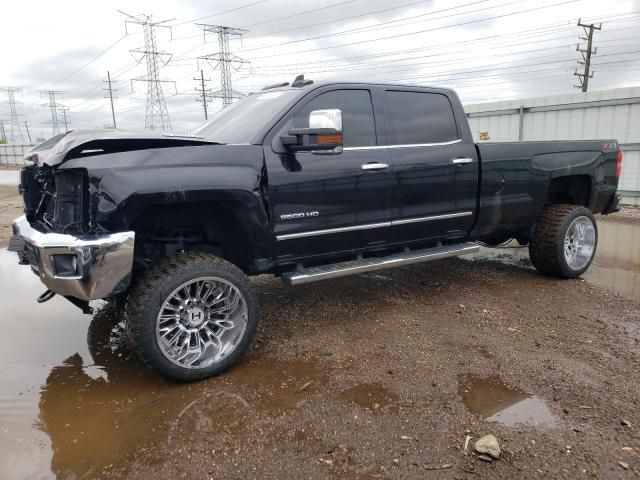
(56, 200)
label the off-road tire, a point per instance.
(152, 288)
(546, 248)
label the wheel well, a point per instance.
(575, 189)
(220, 228)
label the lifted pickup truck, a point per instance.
(305, 181)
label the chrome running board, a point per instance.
(342, 269)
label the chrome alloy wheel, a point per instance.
(579, 243)
(201, 322)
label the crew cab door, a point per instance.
(323, 202)
(435, 165)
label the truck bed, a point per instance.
(515, 178)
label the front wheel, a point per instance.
(192, 316)
(564, 241)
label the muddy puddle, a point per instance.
(498, 402)
(615, 268)
(74, 400)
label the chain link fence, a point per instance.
(11, 154)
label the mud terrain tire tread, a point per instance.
(151, 289)
(546, 248)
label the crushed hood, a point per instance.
(85, 143)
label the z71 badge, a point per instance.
(292, 216)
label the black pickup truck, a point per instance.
(306, 181)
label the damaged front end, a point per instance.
(71, 234)
(58, 238)
(56, 200)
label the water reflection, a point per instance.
(98, 416)
(496, 401)
(95, 413)
(75, 400)
(616, 266)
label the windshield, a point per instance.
(241, 121)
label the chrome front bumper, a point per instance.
(87, 267)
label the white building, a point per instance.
(610, 114)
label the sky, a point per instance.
(486, 49)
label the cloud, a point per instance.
(484, 49)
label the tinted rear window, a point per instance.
(418, 117)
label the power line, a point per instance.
(378, 39)
(157, 115)
(313, 10)
(89, 62)
(586, 55)
(224, 60)
(221, 13)
(379, 25)
(531, 33)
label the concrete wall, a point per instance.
(610, 114)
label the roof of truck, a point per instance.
(310, 84)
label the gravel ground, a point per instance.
(388, 354)
(367, 377)
(10, 208)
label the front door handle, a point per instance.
(461, 161)
(375, 166)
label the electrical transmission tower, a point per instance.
(53, 109)
(203, 92)
(15, 132)
(110, 91)
(224, 60)
(157, 115)
(586, 55)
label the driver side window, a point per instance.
(358, 124)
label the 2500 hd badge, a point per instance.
(292, 216)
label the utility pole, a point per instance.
(53, 109)
(157, 115)
(224, 60)
(26, 126)
(15, 132)
(589, 29)
(110, 91)
(65, 117)
(203, 92)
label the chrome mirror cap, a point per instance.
(330, 118)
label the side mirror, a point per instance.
(324, 134)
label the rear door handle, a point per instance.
(461, 161)
(375, 166)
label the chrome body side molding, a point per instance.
(407, 145)
(368, 226)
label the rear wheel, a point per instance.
(564, 241)
(192, 316)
